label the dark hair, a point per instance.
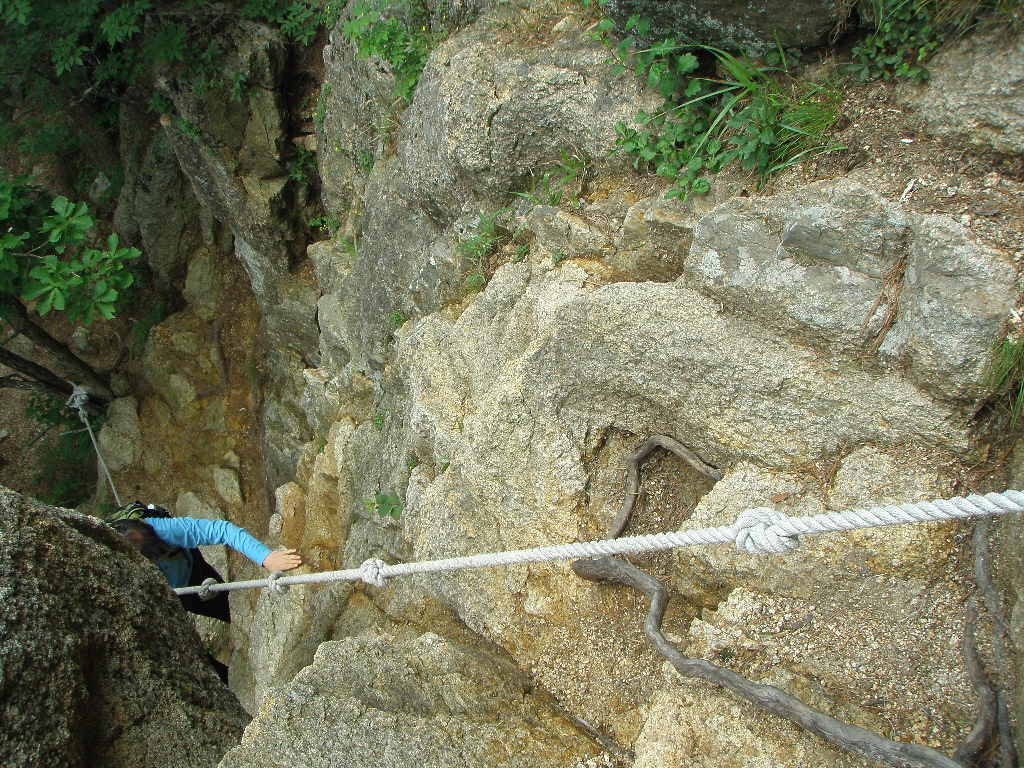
(144, 538)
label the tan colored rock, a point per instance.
(120, 437)
(408, 702)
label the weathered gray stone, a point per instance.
(233, 156)
(156, 209)
(120, 438)
(101, 666)
(955, 302)
(407, 701)
(333, 261)
(292, 323)
(837, 263)
(734, 23)
(577, 364)
(975, 92)
(487, 113)
(285, 428)
(355, 101)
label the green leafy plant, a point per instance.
(321, 104)
(384, 505)
(397, 319)
(476, 247)
(350, 246)
(303, 168)
(379, 419)
(751, 114)
(299, 20)
(239, 86)
(379, 29)
(906, 34)
(328, 223)
(55, 258)
(189, 129)
(141, 328)
(365, 160)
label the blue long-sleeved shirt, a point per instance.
(189, 532)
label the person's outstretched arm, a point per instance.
(188, 532)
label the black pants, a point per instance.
(216, 608)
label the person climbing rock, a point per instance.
(171, 543)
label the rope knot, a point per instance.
(79, 397)
(205, 593)
(759, 532)
(273, 585)
(369, 572)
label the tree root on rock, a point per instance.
(633, 462)
(993, 714)
(767, 697)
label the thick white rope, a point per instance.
(78, 399)
(757, 531)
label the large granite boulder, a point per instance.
(101, 665)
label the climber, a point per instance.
(171, 543)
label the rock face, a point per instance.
(820, 346)
(408, 702)
(805, 344)
(156, 207)
(101, 665)
(975, 92)
(736, 24)
(460, 149)
(838, 264)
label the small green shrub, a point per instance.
(302, 169)
(562, 182)
(384, 505)
(378, 29)
(486, 237)
(141, 328)
(365, 160)
(53, 256)
(397, 319)
(905, 35)
(321, 104)
(752, 114)
(299, 20)
(1006, 376)
(189, 129)
(327, 223)
(239, 86)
